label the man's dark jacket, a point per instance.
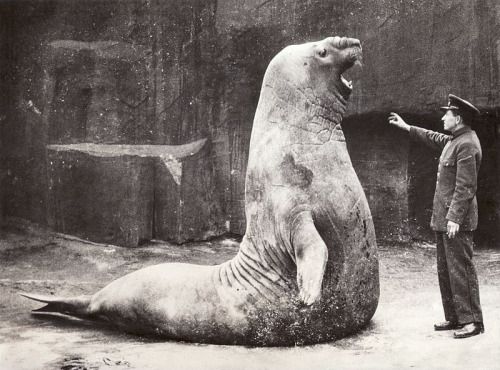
(455, 196)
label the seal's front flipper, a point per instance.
(74, 306)
(311, 255)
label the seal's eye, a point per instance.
(322, 53)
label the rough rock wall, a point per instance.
(376, 150)
(172, 72)
(416, 52)
(3, 104)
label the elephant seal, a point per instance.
(307, 267)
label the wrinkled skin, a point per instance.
(307, 268)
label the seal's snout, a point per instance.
(353, 43)
(351, 49)
(345, 42)
(348, 53)
(357, 56)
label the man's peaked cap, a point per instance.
(461, 105)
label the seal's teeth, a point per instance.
(347, 83)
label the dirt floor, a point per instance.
(400, 335)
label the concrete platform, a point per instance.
(400, 335)
(128, 194)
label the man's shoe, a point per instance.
(469, 330)
(447, 325)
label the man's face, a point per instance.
(450, 121)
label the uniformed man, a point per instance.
(454, 214)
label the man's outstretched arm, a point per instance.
(433, 139)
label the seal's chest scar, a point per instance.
(295, 174)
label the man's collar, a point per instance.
(461, 131)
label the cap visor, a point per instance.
(449, 108)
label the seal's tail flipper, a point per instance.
(74, 306)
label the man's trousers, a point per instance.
(457, 278)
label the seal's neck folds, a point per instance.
(300, 108)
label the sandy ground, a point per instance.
(400, 335)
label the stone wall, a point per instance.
(151, 72)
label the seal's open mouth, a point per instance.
(353, 56)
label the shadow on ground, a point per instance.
(400, 335)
